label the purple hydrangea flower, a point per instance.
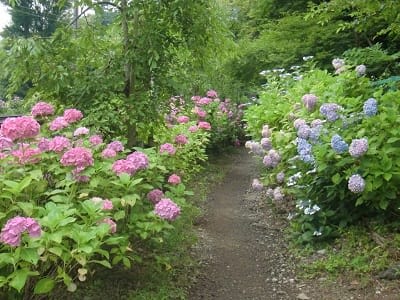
(278, 194)
(272, 159)
(309, 100)
(140, 160)
(370, 107)
(361, 70)
(257, 185)
(266, 144)
(329, 111)
(356, 184)
(280, 177)
(358, 147)
(303, 131)
(338, 144)
(155, 195)
(166, 209)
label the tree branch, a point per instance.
(97, 3)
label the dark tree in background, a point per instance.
(35, 17)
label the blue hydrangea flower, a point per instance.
(370, 107)
(329, 111)
(338, 144)
(304, 150)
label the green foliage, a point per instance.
(319, 185)
(75, 238)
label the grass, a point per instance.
(359, 254)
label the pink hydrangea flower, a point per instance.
(124, 166)
(181, 139)
(195, 99)
(78, 157)
(95, 140)
(20, 128)
(199, 112)
(358, 147)
(81, 131)
(167, 148)
(59, 143)
(266, 131)
(5, 143)
(15, 227)
(193, 128)
(108, 153)
(166, 209)
(44, 144)
(140, 160)
(299, 122)
(204, 125)
(58, 124)
(72, 115)
(155, 195)
(182, 119)
(107, 205)
(111, 223)
(356, 184)
(26, 155)
(117, 146)
(174, 179)
(204, 101)
(212, 94)
(41, 109)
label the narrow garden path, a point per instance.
(242, 249)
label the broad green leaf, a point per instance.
(29, 255)
(19, 278)
(44, 286)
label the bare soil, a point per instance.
(243, 252)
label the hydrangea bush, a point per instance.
(71, 201)
(337, 137)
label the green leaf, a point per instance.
(387, 176)
(66, 221)
(125, 178)
(44, 286)
(26, 207)
(104, 263)
(336, 178)
(29, 255)
(119, 215)
(126, 262)
(56, 250)
(19, 278)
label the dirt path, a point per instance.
(239, 243)
(243, 252)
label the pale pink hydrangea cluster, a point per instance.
(167, 148)
(78, 157)
(58, 144)
(121, 166)
(280, 177)
(72, 115)
(44, 144)
(5, 143)
(81, 131)
(58, 124)
(42, 109)
(19, 128)
(199, 112)
(15, 227)
(117, 146)
(174, 179)
(111, 224)
(299, 122)
(204, 101)
(193, 128)
(140, 160)
(108, 153)
(181, 139)
(356, 184)
(204, 125)
(104, 203)
(266, 131)
(212, 94)
(309, 101)
(182, 119)
(257, 185)
(272, 159)
(95, 140)
(26, 155)
(166, 209)
(155, 195)
(358, 147)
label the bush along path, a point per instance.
(243, 252)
